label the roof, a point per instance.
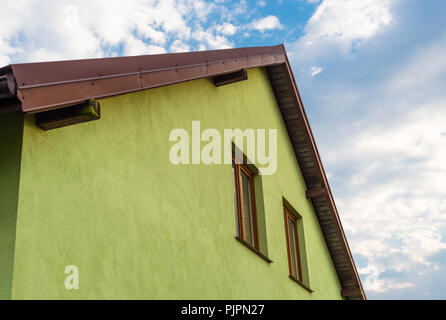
(38, 87)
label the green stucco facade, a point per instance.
(104, 196)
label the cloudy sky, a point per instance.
(372, 74)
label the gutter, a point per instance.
(8, 91)
(5, 90)
(52, 85)
(8, 86)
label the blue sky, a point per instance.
(372, 75)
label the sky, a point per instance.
(372, 75)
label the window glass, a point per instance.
(293, 251)
(234, 173)
(244, 206)
(247, 208)
(292, 245)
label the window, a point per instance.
(245, 205)
(292, 240)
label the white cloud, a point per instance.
(135, 47)
(41, 30)
(265, 24)
(226, 29)
(241, 8)
(425, 67)
(348, 20)
(384, 125)
(179, 46)
(397, 221)
(394, 208)
(212, 41)
(315, 71)
(338, 26)
(374, 283)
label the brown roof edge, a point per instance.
(51, 85)
(39, 87)
(322, 173)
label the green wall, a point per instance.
(104, 196)
(11, 127)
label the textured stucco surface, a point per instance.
(11, 127)
(103, 196)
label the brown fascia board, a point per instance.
(332, 206)
(52, 85)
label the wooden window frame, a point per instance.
(238, 168)
(288, 215)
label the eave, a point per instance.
(39, 87)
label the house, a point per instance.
(93, 207)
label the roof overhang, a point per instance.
(39, 87)
(50, 85)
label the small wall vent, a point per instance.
(230, 78)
